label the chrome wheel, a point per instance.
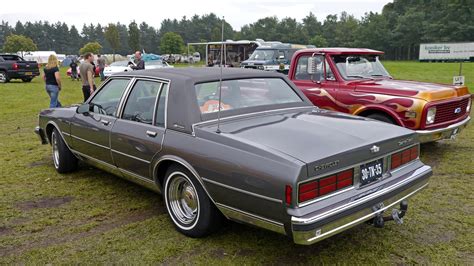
(55, 145)
(3, 77)
(182, 199)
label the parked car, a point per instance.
(15, 67)
(354, 81)
(269, 158)
(154, 64)
(117, 67)
(97, 72)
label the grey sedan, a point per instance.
(245, 145)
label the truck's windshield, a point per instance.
(263, 54)
(360, 66)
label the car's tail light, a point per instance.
(400, 158)
(15, 66)
(288, 192)
(323, 186)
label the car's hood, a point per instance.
(255, 62)
(311, 136)
(116, 68)
(421, 90)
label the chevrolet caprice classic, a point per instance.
(268, 158)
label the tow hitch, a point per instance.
(396, 215)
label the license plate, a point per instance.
(28, 73)
(370, 172)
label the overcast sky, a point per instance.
(237, 13)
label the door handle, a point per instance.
(105, 122)
(151, 133)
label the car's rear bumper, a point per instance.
(23, 74)
(313, 228)
(41, 135)
(442, 133)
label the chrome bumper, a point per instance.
(310, 230)
(41, 135)
(442, 133)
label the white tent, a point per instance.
(39, 56)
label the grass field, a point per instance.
(93, 217)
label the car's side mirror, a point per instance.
(84, 109)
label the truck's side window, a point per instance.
(302, 70)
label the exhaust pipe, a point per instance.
(397, 215)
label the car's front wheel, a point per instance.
(63, 159)
(4, 77)
(188, 205)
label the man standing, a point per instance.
(86, 70)
(139, 63)
(101, 63)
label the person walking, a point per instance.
(139, 63)
(53, 81)
(73, 67)
(86, 69)
(101, 63)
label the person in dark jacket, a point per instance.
(53, 81)
(139, 63)
(73, 66)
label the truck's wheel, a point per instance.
(4, 77)
(63, 159)
(192, 212)
(381, 117)
(26, 79)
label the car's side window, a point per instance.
(141, 101)
(161, 108)
(106, 100)
(302, 69)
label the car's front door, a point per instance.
(90, 131)
(320, 87)
(138, 133)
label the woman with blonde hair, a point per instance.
(53, 81)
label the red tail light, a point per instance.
(288, 192)
(403, 157)
(316, 188)
(15, 66)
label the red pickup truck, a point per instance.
(354, 81)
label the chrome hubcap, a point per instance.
(54, 141)
(183, 200)
(3, 78)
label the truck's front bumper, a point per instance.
(311, 229)
(442, 133)
(41, 135)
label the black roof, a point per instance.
(201, 74)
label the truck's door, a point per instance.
(321, 87)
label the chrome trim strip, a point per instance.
(130, 156)
(250, 218)
(90, 142)
(353, 166)
(418, 172)
(66, 134)
(94, 159)
(248, 114)
(142, 178)
(438, 130)
(243, 191)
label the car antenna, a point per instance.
(218, 131)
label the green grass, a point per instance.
(93, 217)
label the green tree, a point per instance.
(318, 41)
(171, 43)
(134, 36)
(91, 47)
(113, 38)
(16, 43)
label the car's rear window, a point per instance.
(11, 57)
(244, 93)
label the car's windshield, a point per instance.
(263, 54)
(360, 66)
(244, 93)
(119, 63)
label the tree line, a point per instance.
(398, 30)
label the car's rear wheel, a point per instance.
(26, 79)
(63, 159)
(188, 205)
(382, 118)
(4, 77)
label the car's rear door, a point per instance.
(138, 134)
(90, 132)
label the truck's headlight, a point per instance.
(430, 115)
(468, 108)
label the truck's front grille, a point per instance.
(449, 111)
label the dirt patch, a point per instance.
(434, 234)
(43, 203)
(218, 253)
(35, 164)
(4, 230)
(245, 252)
